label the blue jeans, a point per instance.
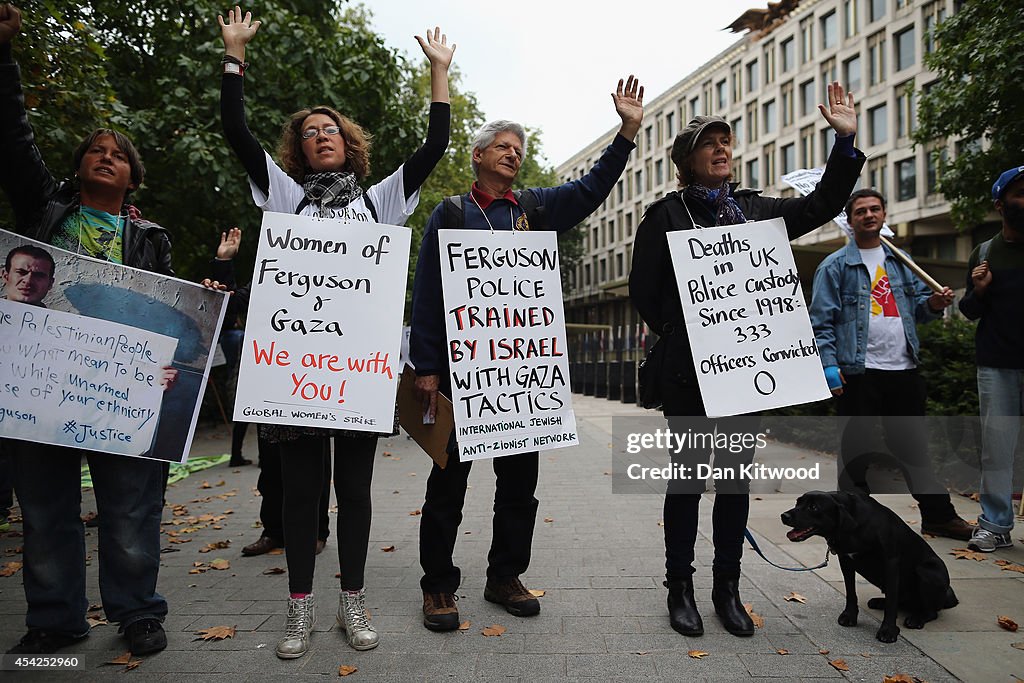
(1001, 399)
(128, 493)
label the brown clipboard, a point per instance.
(432, 438)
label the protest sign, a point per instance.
(324, 328)
(74, 381)
(752, 343)
(804, 180)
(506, 342)
(93, 344)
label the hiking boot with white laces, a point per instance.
(354, 622)
(301, 619)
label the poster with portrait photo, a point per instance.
(100, 356)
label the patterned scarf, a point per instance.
(720, 201)
(331, 188)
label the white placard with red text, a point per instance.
(506, 342)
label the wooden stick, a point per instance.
(918, 270)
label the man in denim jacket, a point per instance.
(864, 309)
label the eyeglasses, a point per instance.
(310, 133)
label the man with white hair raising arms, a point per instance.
(498, 152)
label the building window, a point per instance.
(618, 265)
(851, 74)
(648, 142)
(707, 98)
(639, 181)
(770, 119)
(906, 179)
(878, 118)
(788, 156)
(670, 125)
(619, 191)
(737, 131)
(806, 41)
(752, 177)
(877, 9)
(902, 4)
(752, 76)
(649, 176)
(734, 78)
(721, 95)
(752, 121)
(850, 14)
(788, 52)
(876, 58)
(629, 223)
(906, 110)
(828, 76)
(904, 43)
(769, 62)
(936, 159)
(604, 270)
(808, 102)
(807, 147)
(829, 31)
(769, 164)
(694, 102)
(659, 172)
(586, 274)
(933, 13)
(787, 104)
(828, 141)
(878, 175)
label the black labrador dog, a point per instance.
(871, 540)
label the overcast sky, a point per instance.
(552, 64)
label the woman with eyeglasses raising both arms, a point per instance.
(323, 157)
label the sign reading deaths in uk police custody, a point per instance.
(324, 327)
(506, 342)
(752, 342)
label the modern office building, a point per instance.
(768, 85)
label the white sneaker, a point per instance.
(301, 619)
(985, 541)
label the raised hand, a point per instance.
(436, 49)
(629, 105)
(237, 31)
(229, 242)
(839, 113)
(10, 22)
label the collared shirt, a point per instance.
(485, 200)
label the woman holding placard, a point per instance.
(324, 156)
(702, 153)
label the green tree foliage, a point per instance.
(152, 69)
(980, 64)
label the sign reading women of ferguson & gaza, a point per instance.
(752, 342)
(506, 342)
(324, 327)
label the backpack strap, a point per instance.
(536, 216)
(454, 215)
(983, 250)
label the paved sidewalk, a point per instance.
(599, 558)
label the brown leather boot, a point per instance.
(440, 612)
(513, 596)
(262, 546)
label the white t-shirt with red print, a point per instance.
(887, 342)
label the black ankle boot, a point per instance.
(682, 611)
(726, 597)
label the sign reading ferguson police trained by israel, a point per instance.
(506, 342)
(324, 328)
(753, 347)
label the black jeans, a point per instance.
(685, 413)
(303, 472)
(896, 399)
(515, 513)
(272, 493)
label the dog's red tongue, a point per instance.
(796, 534)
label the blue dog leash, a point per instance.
(757, 549)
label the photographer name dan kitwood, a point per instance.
(752, 470)
(675, 441)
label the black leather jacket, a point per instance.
(40, 202)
